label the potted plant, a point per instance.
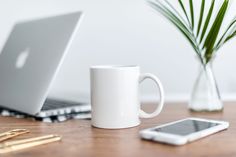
(203, 33)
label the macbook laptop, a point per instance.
(29, 62)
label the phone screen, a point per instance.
(185, 127)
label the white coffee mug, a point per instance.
(115, 96)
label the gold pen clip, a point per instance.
(27, 143)
(13, 133)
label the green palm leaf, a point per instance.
(177, 22)
(214, 31)
(230, 36)
(207, 43)
(176, 12)
(201, 17)
(192, 12)
(184, 10)
(224, 36)
(173, 19)
(207, 19)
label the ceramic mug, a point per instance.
(115, 96)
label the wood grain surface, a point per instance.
(82, 140)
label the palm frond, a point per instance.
(192, 12)
(177, 22)
(233, 34)
(224, 36)
(176, 12)
(204, 42)
(172, 17)
(184, 10)
(207, 20)
(214, 31)
(201, 17)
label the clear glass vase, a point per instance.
(205, 94)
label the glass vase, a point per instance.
(205, 94)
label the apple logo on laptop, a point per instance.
(22, 57)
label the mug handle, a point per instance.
(143, 114)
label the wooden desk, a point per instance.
(81, 140)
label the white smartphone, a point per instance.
(183, 131)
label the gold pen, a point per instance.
(12, 133)
(27, 143)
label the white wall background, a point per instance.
(123, 32)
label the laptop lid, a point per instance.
(31, 58)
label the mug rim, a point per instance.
(113, 66)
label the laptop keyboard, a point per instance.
(55, 111)
(54, 107)
(52, 104)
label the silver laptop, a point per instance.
(29, 62)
